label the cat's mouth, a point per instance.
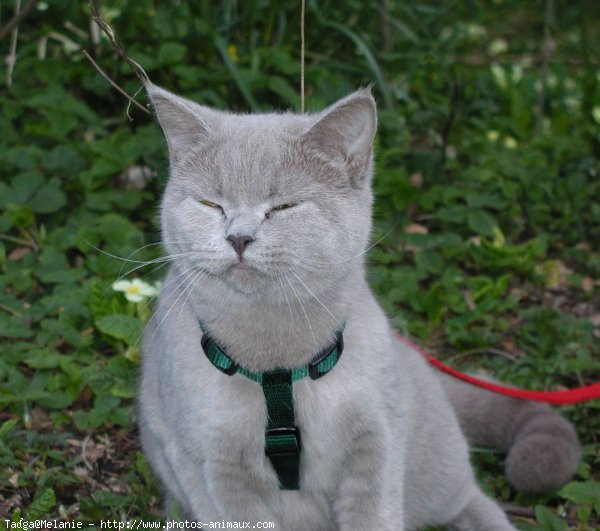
(243, 270)
(245, 277)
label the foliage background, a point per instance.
(487, 220)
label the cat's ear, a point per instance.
(184, 122)
(345, 133)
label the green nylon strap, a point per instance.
(282, 436)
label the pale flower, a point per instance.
(596, 114)
(510, 142)
(475, 31)
(499, 75)
(493, 135)
(135, 290)
(497, 46)
(572, 103)
(517, 73)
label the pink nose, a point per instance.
(239, 243)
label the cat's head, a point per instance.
(258, 200)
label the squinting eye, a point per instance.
(211, 204)
(279, 207)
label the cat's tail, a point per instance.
(542, 447)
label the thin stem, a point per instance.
(548, 48)
(302, 47)
(20, 241)
(10, 310)
(14, 22)
(12, 54)
(119, 89)
(118, 47)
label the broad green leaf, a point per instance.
(100, 300)
(49, 198)
(44, 358)
(42, 504)
(171, 53)
(482, 222)
(123, 327)
(548, 520)
(587, 492)
(7, 428)
(20, 216)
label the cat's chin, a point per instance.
(245, 278)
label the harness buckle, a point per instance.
(282, 442)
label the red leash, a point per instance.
(570, 396)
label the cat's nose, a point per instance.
(240, 242)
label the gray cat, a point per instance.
(267, 218)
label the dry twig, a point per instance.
(136, 67)
(302, 48)
(119, 89)
(14, 22)
(105, 27)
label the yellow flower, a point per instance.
(232, 52)
(135, 290)
(510, 142)
(596, 114)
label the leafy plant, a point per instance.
(487, 215)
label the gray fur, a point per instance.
(543, 448)
(381, 445)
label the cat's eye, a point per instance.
(285, 206)
(211, 204)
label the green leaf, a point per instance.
(110, 499)
(429, 260)
(548, 520)
(44, 359)
(13, 326)
(236, 74)
(171, 53)
(7, 428)
(56, 99)
(371, 61)
(119, 326)
(99, 300)
(64, 159)
(587, 492)
(49, 198)
(43, 503)
(21, 216)
(482, 222)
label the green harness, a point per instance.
(282, 436)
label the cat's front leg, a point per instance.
(236, 497)
(363, 500)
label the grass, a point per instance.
(488, 213)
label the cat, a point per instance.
(267, 218)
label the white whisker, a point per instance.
(167, 258)
(287, 300)
(170, 282)
(192, 276)
(348, 260)
(194, 283)
(317, 299)
(303, 311)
